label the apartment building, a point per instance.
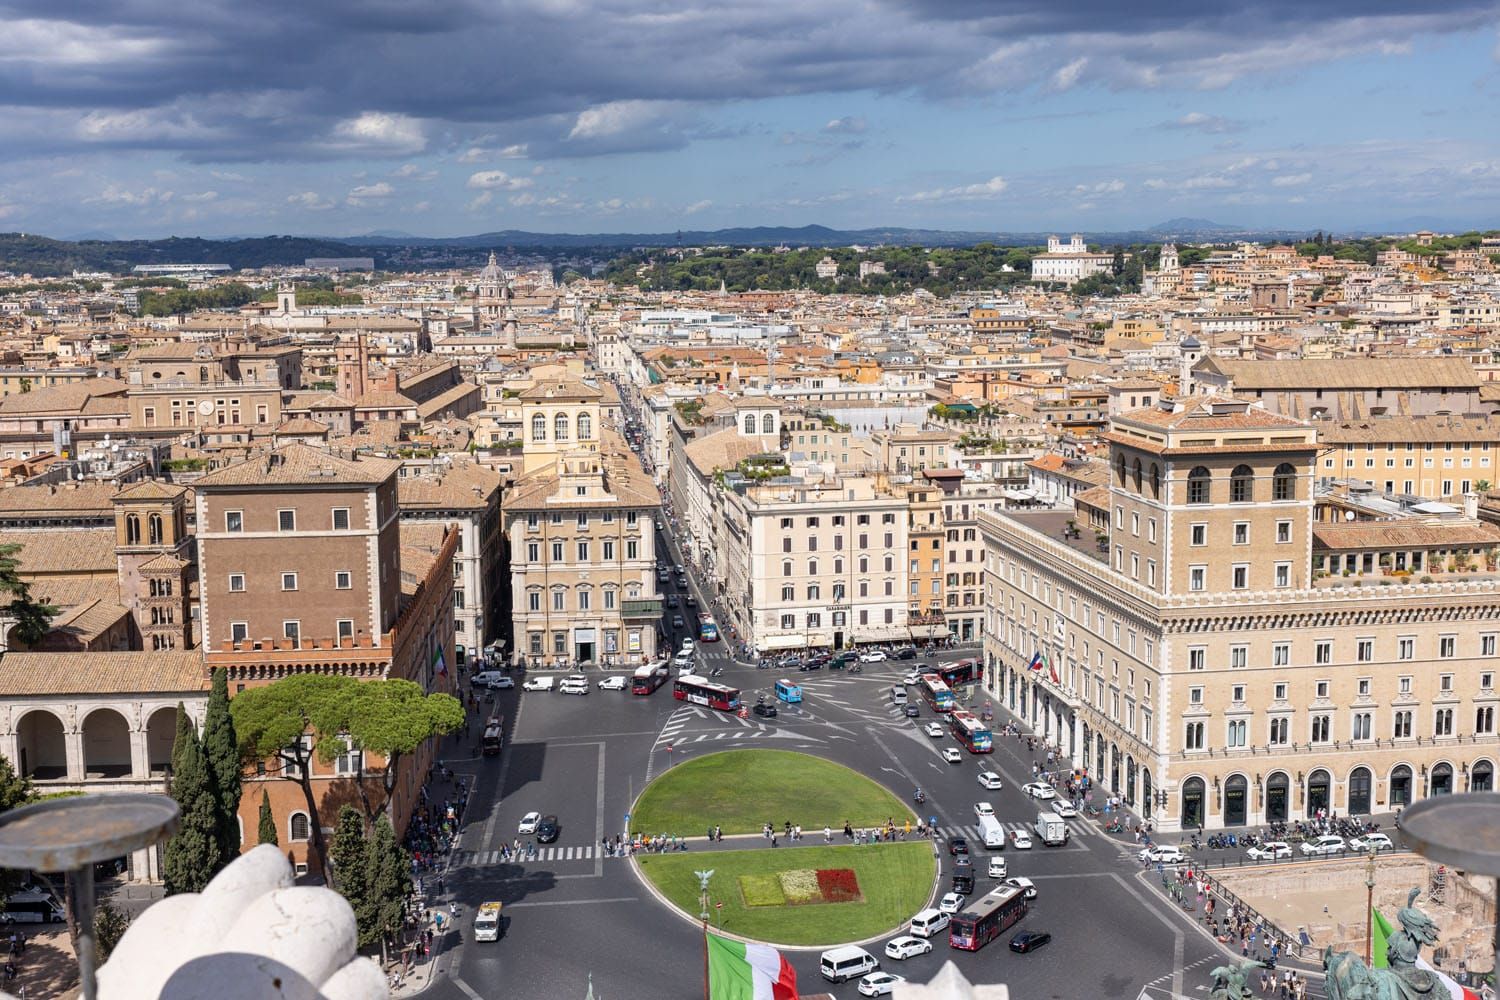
(1429, 457)
(1201, 670)
(926, 537)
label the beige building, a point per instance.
(1195, 665)
(1429, 457)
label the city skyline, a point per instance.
(561, 117)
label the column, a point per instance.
(140, 765)
(73, 740)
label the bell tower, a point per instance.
(154, 562)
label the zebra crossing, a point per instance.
(972, 834)
(485, 859)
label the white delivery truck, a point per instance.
(1050, 829)
(992, 833)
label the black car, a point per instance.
(692, 601)
(811, 665)
(963, 876)
(547, 830)
(671, 600)
(765, 711)
(912, 711)
(957, 846)
(906, 653)
(1028, 941)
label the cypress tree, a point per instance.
(389, 886)
(351, 864)
(192, 856)
(221, 750)
(267, 833)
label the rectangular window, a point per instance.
(558, 599)
(1401, 725)
(1239, 657)
(286, 520)
(1195, 696)
(533, 552)
(345, 628)
(1242, 532)
(1487, 644)
(788, 622)
(291, 630)
(1364, 650)
(1197, 576)
(534, 602)
(1406, 648)
(1281, 654)
(234, 520)
(1283, 574)
(343, 580)
(1322, 690)
(583, 600)
(236, 583)
(289, 581)
(1323, 653)
(609, 600)
(238, 631)
(341, 519)
(1240, 576)
(1237, 693)
(1283, 532)
(1447, 645)
(1320, 729)
(1198, 535)
(1197, 658)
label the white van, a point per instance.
(929, 922)
(538, 684)
(33, 906)
(484, 677)
(898, 694)
(992, 833)
(849, 962)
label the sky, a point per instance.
(144, 118)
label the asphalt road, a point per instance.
(573, 913)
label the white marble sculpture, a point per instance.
(250, 935)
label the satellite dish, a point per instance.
(1348, 515)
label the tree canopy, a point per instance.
(221, 752)
(32, 619)
(193, 856)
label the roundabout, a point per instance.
(808, 893)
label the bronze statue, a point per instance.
(1348, 978)
(1230, 981)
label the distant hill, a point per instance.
(41, 256)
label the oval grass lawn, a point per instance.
(894, 882)
(742, 790)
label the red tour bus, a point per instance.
(938, 697)
(986, 918)
(650, 677)
(696, 691)
(973, 734)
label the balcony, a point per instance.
(641, 609)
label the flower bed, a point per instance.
(761, 890)
(800, 885)
(838, 885)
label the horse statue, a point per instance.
(1348, 978)
(1229, 981)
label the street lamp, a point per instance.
(703, 878)
(1369, 900)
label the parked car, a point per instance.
(879, 984)
(874, 656)
(537, 684)
(1167, 854)
(547, 830)
(1039, 790)
(906, 946)
(990, 780)
(951, 903)
(1027, 887)
(952, 756)
(1271, 850)
(529, 823)
(1326, 844)
(1369, 841)
(501, 683)
(934, 730)
(483, 678)
(1029, 941)
(615, 683)
(574, 685)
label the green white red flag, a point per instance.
(741, 971)
(1382, 933)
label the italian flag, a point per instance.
(1382, 933)
(740, 971)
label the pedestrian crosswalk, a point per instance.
(971, 833)
(486, 859)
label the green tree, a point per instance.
(267, 833)
(393, 718)
(351, 866)
(192, 856)
(15, 791)
(110, 924)
(389, 884)
(222, 752)
(32, 619)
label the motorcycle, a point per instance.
(919, 796)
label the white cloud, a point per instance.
(362, 193)
(113, 194)
(697, 206)
(991, 188)
(1113, 186)
(1068, 75)
(67, 43)
(381, 132)
(497, 180)
(201, 196)
(483, 154)
(1199, 121)
(1154, 184)
(1206, 182)
(847, 125)
(410, 171)
(228, 175)
(1290, 180)
(8, 209)
(480, 201)
(615, 117)
(309, 201)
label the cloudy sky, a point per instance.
(447, 117)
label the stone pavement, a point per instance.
(47, 968)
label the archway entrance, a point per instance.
(1442, 780)
(1114, 768)
(161, 732)
(1482, 777)
(1276, 796)
(106, 744)
(1359, 791)
(1234, 800)
(1317, 792)
(1400, 786)
(1192, 803)
(1130, 781)
(1148, 799)
(43, 750)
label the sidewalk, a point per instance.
(48, 967)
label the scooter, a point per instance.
(919, 797)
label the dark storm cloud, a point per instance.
(339, 78)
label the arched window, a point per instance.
(1284, 482)
(538, 428)
(202, 373)
(151, 587)
(154, 529)
(1198, 482)
(132, 529)
(560, 427)
(1155, 481)
(1135, 474)
(1120, 470)
(749, 423)
(1241, 484)
(298, 826)
(585, 427)
(767, 424)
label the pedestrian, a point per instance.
(827, 835)
(718, 833)
(773, 839)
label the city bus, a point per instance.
(986, 918)
(970, 732)
(647, 679)
(697, 691)
(939, 698)
(962, 672)
(788, 692)
(493, 740)
(708, 631)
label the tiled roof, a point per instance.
(1345, 373)
(80, 550)
(88, 497)
(1210, 413)
(301, 465)
(151, 489)
(1410, 430)
(70, 397)
(1396, 534)
(87, 621)
(727, 448)
(564, 388)
(34, 674)
(455, 489)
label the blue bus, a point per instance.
(708, 631)
(788, 692)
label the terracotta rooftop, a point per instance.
(80, 550)
(1210, 413)
(40, 674)
(1410, 430)
(1345, 373)
(1405, 534)
(301, 465)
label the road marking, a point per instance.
(1177, 938)
(573, 902)
(468, 990)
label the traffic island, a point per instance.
(801, 896)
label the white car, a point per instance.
(685, 667)
(1039, 790)
(615, 683)
(1375, 841)
(1021, 839)
(537, 684)
(688, 646)
(952, 756)
(911, 678)
(501, 683)
(1064, 808)
(934, 730)
(951, 903)
(1167, 854)
(879, 984)
(906, 946)
(1271, 850)
(874, 656)
(1326, 844)
(983, 809)
(990, 780)
(1027, 887)
(529, 823)
(573, 685)
(998, 868)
